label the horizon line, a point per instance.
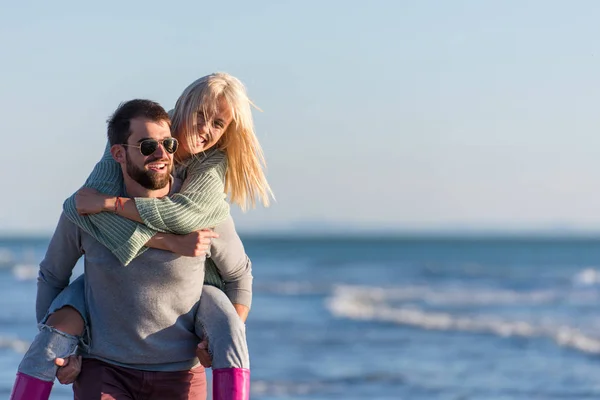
(426, 233)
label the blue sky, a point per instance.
(381, 115)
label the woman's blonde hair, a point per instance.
(245, 180)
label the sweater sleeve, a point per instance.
(200, 204)
(56, 268)
(229, 256)
(126, 239)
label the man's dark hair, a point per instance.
(118, 123)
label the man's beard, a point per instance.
(149, 179)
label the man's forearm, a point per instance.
(242, 311)
(57, 266)
(45, 296)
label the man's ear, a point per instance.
(118, 153)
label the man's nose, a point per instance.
(161, 152)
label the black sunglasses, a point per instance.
(149, 146)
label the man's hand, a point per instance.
(203, 354)
(69, 369)
(193, 244)
(90, 201)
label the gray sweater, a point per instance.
(141, 315)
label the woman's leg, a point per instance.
(60, 333)
(218, 320)
(67, 320)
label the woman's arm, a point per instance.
(200, 204)
(193, 244)
(106, 177)
(124, 238)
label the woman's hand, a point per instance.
(193, 244)
(68, 369)
(90, 201)
(203, 354)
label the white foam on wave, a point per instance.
(25, 272)
(457, 296)
(358, 304)
(14, 344)
(587, 277)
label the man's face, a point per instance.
(152, 172)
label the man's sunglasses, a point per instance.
(149, 146)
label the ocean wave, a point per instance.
(587, 277)
(445, 295)
(457, 296)
(359, 304)
(25, 272)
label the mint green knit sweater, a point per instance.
(201, 203)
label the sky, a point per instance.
(381, 115)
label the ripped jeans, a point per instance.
(217, 319)
(48, 345)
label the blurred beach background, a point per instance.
(436, 233)
(392, 318)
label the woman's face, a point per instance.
(208, 129)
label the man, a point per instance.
(140, 317)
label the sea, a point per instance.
(384, 317)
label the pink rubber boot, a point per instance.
(231, 384)
(29, 388)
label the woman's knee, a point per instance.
(67, 320)
(223, 325)
(231, 326)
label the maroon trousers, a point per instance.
(102, 381)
